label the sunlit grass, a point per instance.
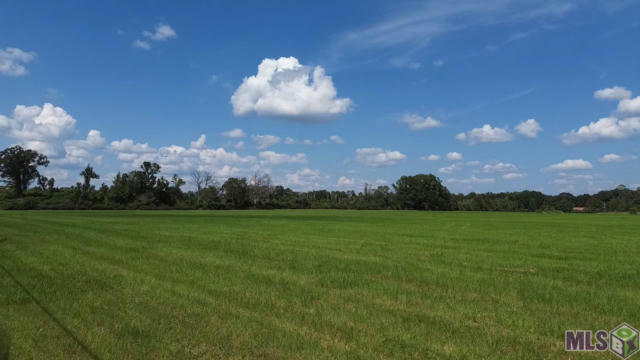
(312, 284)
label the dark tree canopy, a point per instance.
(20, 167)
(236, 191)
(422, 192)
(146, 188)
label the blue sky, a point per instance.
(490, 96)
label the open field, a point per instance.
(312, 284)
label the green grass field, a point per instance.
(312, 284)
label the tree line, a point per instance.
(23, 187)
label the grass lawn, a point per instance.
(312, 284)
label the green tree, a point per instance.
(20, 167)
(236, 193)
(594, 204)
(51, 183)
(88, 174)
(148, 175)
(422, 192)
(42, 182)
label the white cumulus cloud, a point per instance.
(570, 164)
(431, 157)
(417, 122)
(345, 181)
(141, 44)
(336, 139)
(284, 88)
(265, 141)
(200, 143)
(454, 156)
(609, 128)
(162, 32)
(485, 134)
(629, 106)
(234, 134)
(13, 60)
(512, 176)
(450, 169)
(615, 158)
(274, 158)
(305, 179)
(472, 180)
(379, 157)
(614, 93)
(609, 158)
(39, 128)
(129, 146)
(529, 128)
(499, 167)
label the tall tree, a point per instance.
(20, 167)
(236, 193)
(42, 182)
(260, 189)
(198, 180)
(422, 192)
(149, 172)
(208, 179)
(88, 174)
(51, 184)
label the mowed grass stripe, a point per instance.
(322, 284)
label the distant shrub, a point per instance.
(633, 211)
(20, 204)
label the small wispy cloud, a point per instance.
(162, 32)
(415, 27)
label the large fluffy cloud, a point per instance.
(621, 125)
(630, 106)
(49, 130)
(40, 128)
(379, 157)
(306, 179)
(284, 88)
(13, 60)
(485, 134)
(609, 128)
(614, 93)
(181, 160)
(80, 152)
